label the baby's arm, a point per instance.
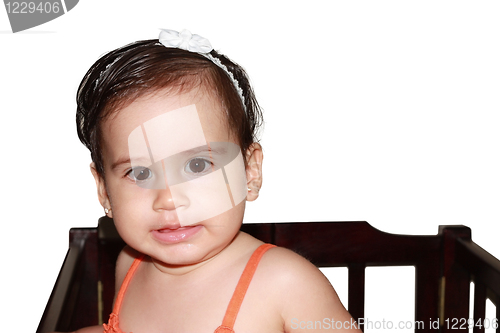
(310, 304)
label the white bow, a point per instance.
(185, 40)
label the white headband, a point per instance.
(194, 43)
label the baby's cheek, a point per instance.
(127, 223)
(202, 198)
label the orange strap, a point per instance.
(239, 293)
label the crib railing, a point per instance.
(444, 266)
(358, 245)
(463, 262)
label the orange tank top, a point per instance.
(232, 309)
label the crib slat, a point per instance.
(426, 294)
(457, 280)
(62, 289)
(479, 307)
(498, 314)
(356, 290)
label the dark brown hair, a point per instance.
(127, 73)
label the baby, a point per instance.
(171, 125)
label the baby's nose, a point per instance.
(164, 200)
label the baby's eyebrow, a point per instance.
(220, 150)
(123, 160)
(217, 150)
(126, 160)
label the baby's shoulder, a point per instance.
(280, 259)
(125, 259)
(288, 268)
(298, 289)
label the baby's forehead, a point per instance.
(167, 134)
(128, 114)
(162, 123)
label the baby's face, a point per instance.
(170, 152)
(175, 175)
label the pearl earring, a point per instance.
(107, 210)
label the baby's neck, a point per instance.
(179, 270)
(222, 258)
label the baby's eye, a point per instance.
(140, 173)
(197, 165)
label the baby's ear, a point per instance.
(254, 158)
(102, 194)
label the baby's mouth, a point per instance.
(175, 227)
(176, 234)
(171, 229)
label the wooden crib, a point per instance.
(444, 266)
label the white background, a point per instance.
(384, 111)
